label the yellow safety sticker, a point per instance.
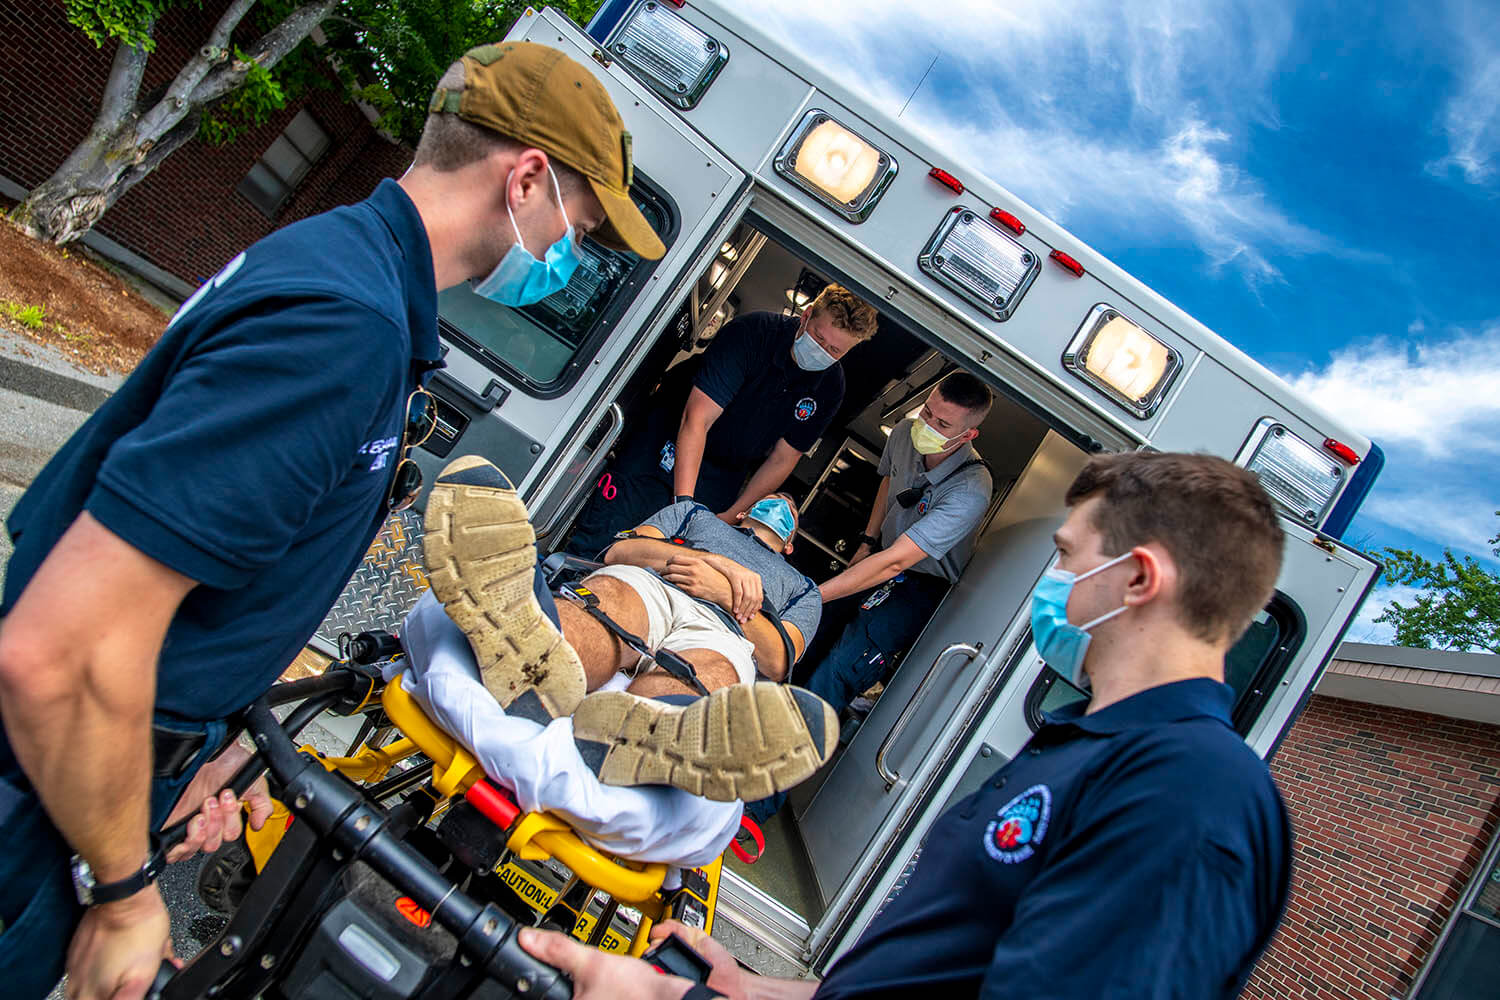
(539, 897)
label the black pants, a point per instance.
(635, 486)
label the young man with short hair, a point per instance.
(1136, 846)
(934, 492)
(186, 542)
(727, 429)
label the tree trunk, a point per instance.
(128, 140)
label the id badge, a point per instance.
(668, 456)
(876, 598)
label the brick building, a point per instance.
(1391, 778)
(204, 204)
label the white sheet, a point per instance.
(543, 767)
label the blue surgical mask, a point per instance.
(776, 514)
(809, 354)
(520, 279)
(1061, 643)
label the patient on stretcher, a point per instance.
(573, 723)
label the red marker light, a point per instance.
(946, 179)
(1007, 220)
(1342, 450)
(679, 4)
(408, 908)
(1068, 262)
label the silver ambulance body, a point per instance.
(1083, 358)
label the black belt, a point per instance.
(174, 747)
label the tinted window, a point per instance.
(542, 347)
(1253, 667)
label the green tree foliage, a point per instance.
(1458, 608)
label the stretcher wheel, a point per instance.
(225, 877)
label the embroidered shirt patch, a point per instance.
(1019, 826)
(805, 408)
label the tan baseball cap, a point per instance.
(537, 95)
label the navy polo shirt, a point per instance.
(1142, 851)
(253, 447)
(766, 395)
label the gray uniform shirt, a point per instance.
(794, 596)
(943, 524)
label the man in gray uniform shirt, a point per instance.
(920, 533)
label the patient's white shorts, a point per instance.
(677, 622)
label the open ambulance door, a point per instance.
(532, 389)
(970, 694)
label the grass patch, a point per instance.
(31, 317)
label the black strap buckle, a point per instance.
(664, 658)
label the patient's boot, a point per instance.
(481, 559)
(745, 741)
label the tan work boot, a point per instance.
(745, 741)
(481, 559)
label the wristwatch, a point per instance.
(91, 893)
(681, 497)
(873, 541)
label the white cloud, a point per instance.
(1435, 399)
(1454, 516)
(1128, 114)
(1471, 115)
(1364, 628)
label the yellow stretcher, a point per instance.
(535, 843)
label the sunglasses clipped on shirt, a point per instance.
(421, 419)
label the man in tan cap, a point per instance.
(186, 542)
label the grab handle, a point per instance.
(890, 777)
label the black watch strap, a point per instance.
(873, 541)
(681, 497)
(91, 893)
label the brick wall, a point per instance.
(185, 217)
(1393, 811)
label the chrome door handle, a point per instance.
(616, 418)
(887, 775)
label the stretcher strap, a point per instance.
(753, 828)
(665, 658)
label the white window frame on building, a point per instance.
(284, 164)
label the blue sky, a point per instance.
(1319, 183)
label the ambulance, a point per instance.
(766, 179)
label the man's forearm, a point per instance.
(692, 438)
(873, 570)
(647, 553)
(87, 750)
(877, 512)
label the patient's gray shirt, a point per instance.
(794, 596)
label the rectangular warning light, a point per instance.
(980, 262)
(1303, 479)
(1126, 363)
(671, 56)
(835, 165)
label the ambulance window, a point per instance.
(543, 348)
(1253, 667)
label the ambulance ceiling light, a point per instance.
(836, 166)
(672, 57)
(717, 272)
(1300, 477)
(798, 298)
(729, 252)
(1123, 361)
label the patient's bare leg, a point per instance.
(714, 670)
(601, 650)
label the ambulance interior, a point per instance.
(887, 378)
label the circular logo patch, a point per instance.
(805, 408)
(1019, 826)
